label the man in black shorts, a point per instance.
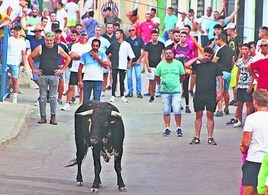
(206, 96)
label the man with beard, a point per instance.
(93, 61)
(206, 97)
(169, 74)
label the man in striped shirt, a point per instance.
(113, 7)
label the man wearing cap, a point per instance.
(76, 52)
(48, 74)
(36, 40)
(90, 23)
(146, 27)
(235, 42)
(15, 54)
(59, 42)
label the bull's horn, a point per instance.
(116, 114)
(85, 113)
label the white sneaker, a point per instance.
(238, 124)
(112, 99)
(65, 107)
(123, 99)
(15, 100)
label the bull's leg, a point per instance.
(97, 169)
(79, 178)
(80, 154)
(118, 169)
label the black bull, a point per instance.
(105, 136)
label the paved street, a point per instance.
(34, 162)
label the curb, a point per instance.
(19, 124)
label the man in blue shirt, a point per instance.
(93, 61)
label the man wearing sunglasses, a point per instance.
(137, 46)
(48, 72)
(259, 69)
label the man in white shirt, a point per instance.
(154, 18)
(76, 52)
(121, 56)
(16, 53)
(61, 16)
(73, 14)
(202, 24)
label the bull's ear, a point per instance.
(116, 114)
(85, 113)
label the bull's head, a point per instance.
(100, 120)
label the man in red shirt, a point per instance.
(259, 70)
(261, 67)
(146, 27)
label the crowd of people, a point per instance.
(200, 57)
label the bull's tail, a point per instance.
(83, 155)
(72, 163)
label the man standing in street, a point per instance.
(169, 74)
(145, 28)
(235, 43)
(76, 52)
(153, 54)
(137, 46)
(259, 69)
(16, 53)
(225, 58)
(93, 61)
(206, 97)
(121, 56)
(48, 72)
(202, 23)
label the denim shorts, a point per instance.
(226, 77)
(14, 70)
(171, 99)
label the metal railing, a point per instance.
(4, 72)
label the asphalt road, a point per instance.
(34, 163)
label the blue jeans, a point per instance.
(94, 86)
(165, 35)
(48, 82)
(137, 69)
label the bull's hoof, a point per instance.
(79, 183)
(94, 190)
(122, 189)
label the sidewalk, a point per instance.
(12, 119)
(12, 116)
